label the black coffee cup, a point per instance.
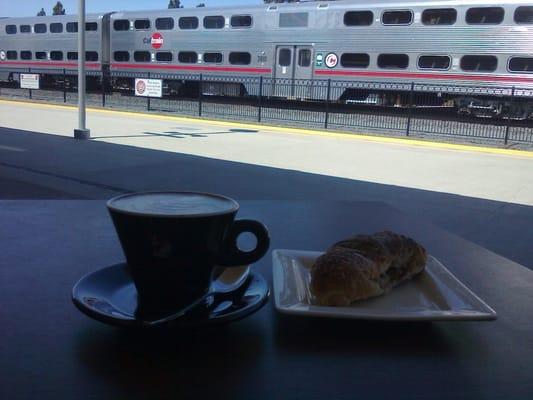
(174, 243)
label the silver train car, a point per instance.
(432, 44)
(48, 46)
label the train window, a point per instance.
(56, 27)
(304, 58)
(358, 18)
(163, 56)
(91, 56)
(11, 55)
(355, 60)
(25, 55)
(141, 24)
(56, 55)
(285, 57)
(240, 58)
(188, 57)
(241, 21)
(215, 58)
(434, 62)
(294, 20)
(25, 29)
(41, 55)
(214, 22)
(524, 15)
(402, 17)
(439, 16)
(519, 64)
(121, 56)
(72, 27)
(39, 28)
(142, 56)
(164, 24)
(393, 61)
(479, 63)
(484, 15)
(188, 23)
(119, 25)
(11, 29)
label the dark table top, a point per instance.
(50, 350)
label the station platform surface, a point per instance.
(482, 194)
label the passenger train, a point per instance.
(433, 44)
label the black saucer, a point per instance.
(109, 295)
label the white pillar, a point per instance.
(82, 132)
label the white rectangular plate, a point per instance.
(433, 295)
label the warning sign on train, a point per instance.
(332, 60)
(156, 40)
(149, 87)
(2, 55)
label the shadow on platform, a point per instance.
(41, 166)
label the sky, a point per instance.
(9, 8)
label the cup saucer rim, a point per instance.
(114, 316)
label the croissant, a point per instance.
(365, 266)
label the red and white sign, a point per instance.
(331, 60)
(149, 87)
(140, 87)
(157, 40)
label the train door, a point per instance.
(294, 70)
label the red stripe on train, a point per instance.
(408, 75)
(193, 68)
(425, 75)
(48, 64)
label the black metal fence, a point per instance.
(400, 109)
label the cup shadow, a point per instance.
(171, 360)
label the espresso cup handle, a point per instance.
(232, 256)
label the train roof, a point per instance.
(52, 18)
(303, 5)
(341, 4)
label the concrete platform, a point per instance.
(483, 195)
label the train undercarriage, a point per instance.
(501, 107)
(492, 107)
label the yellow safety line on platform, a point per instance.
(345, 135)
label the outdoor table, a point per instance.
(49, 350)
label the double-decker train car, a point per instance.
(49, 46)
(298, 46)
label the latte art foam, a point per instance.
(173, 204)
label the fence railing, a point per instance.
(393, 108)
